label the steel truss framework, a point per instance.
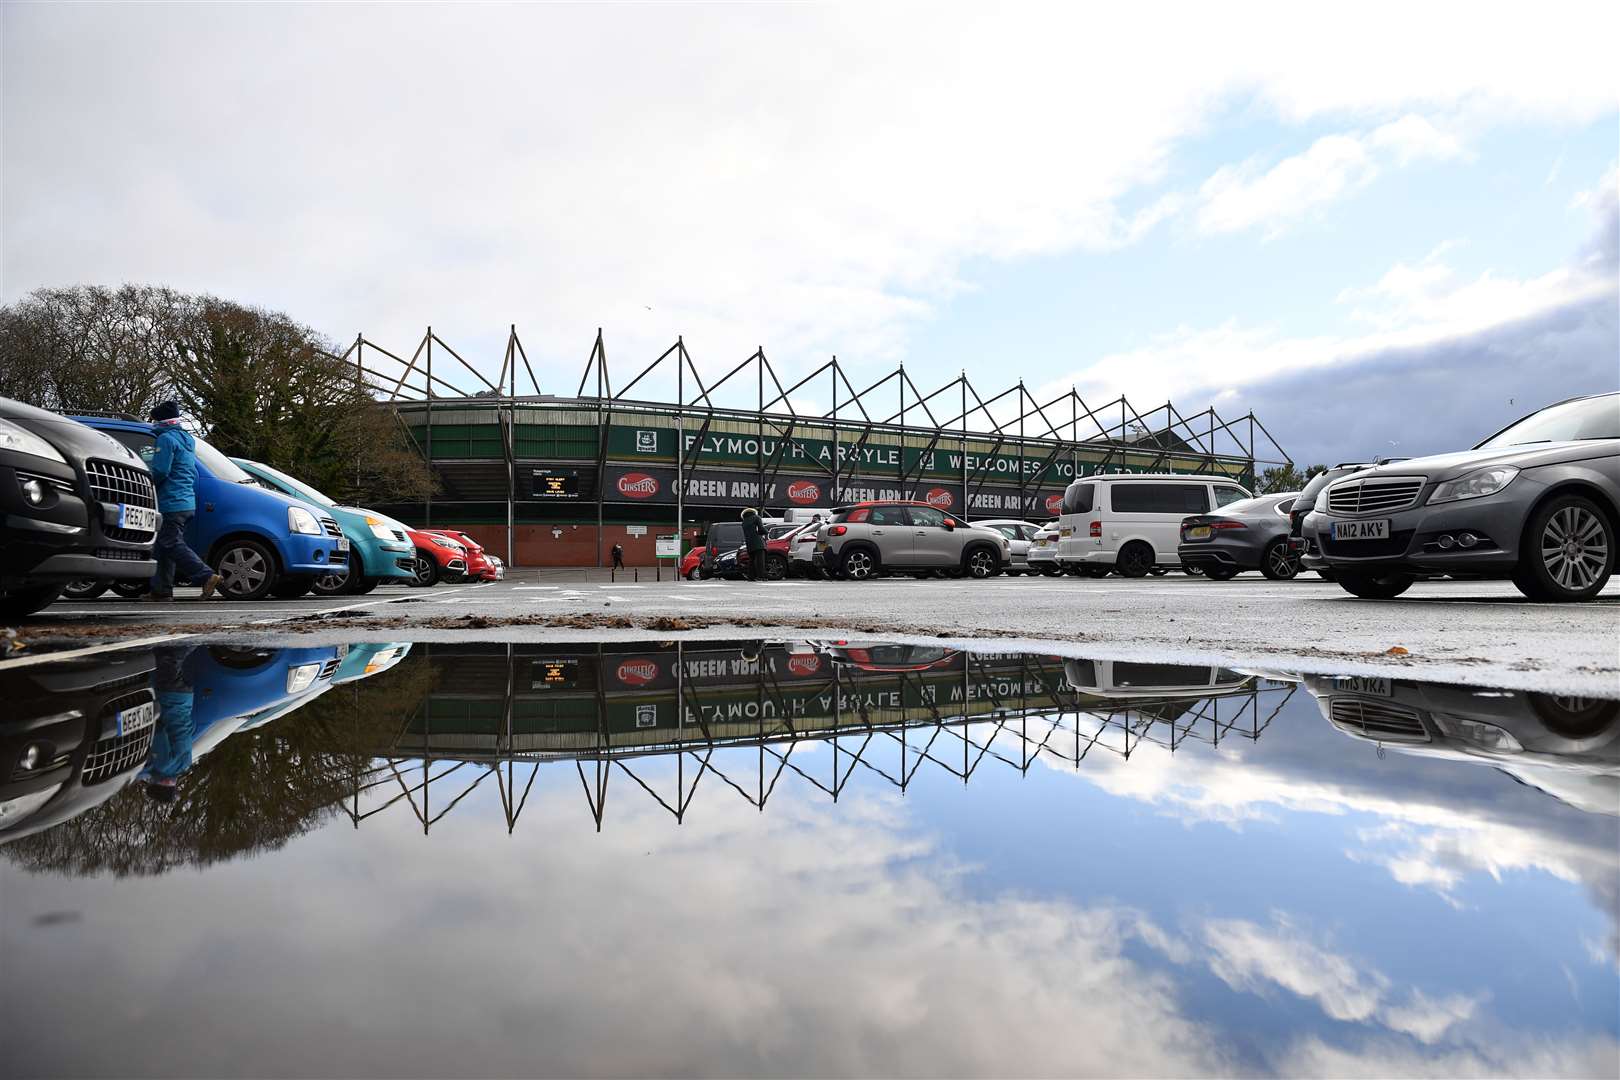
(1014, 420)
(1066, 727)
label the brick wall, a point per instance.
(575, 545)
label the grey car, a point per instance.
(1250, 534)
(870, 538)
(1537, 503)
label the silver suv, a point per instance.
(870, 537)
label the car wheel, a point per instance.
(291, 588)
(1221, 573)
(426, 570)
(1159, 571)
(1575, 717)
(21, 603)
(981, 563)
(131, 590)
(1567, 553)
(1135, 560)
(337, 579)
(1374, 586)
(1192, 571)
(86, 589)
(860, 565)
(776, 568)
(1050, 570)
(1086, 570)
(363, 585)
(1279, 563)
(249, 570)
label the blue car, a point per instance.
(261, 542)
(380, 549)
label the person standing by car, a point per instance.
(618, 557)
(174, 471)
(754, 539)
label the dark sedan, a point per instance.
(1251, 534)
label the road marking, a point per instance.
(90, 650)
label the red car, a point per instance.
(438, 557)
(691, 562)
(479, 568)
(779, 552)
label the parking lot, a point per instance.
(1469, 632)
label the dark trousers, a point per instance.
(618, 560)
(174, 559)
(756, 564)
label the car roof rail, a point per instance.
(107, 414)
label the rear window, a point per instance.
(726, 533)
(1225, 494)
(1144, 675)
(1078, 498)
(1159, 498)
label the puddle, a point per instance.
(796, 857)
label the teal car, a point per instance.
(380, 549)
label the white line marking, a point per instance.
(91, 650)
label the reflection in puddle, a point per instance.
(1273, 873)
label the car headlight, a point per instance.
(19, 439)
(1483, 735)
(1321, 504)
(16, 809)
(379, 528)
(1476, 485)
(301, 677)
(449, 545)
(300, 520)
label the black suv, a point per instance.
(74, 504)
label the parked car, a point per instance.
(802, 548)
(691, 563)
(74, 505)
(1131, 680)
(1537, 503)
(869, 538)
(260, 541)
(1250, 534)
(1132, 522)
(497, 568)
(1020, 535)
(1042, 555)
(1309, 557)
(723, 536)
(478, 568)
(72, 734)
(438, 558)
(779, 550)
(379, 547)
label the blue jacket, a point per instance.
(171, 742)
(174, 469)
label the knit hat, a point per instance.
(165, 410)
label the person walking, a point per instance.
(174, 471)
(754, 538)
(618, 557)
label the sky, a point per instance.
(1391, 234)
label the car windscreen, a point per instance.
(1078, 498)
(1572, 421)
(297, 487)
(222, 467)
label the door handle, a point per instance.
(877, 532)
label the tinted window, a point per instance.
(1139, 675)
(725, 534)
(138, 441)
(1077, 499)
(892, 515)
(1159, 498)
(222, 467)
(927, 517)
(1285, 506)
(1225, 495)
(1592, 418)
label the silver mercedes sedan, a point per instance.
(1537, 503)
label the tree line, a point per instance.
(255, 383)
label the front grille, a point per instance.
(112, 484)
(124, 554)
(1394, 547)
(1378, 720)
(115, 756)
(1374, 495)
(328, 670)
(332, 528)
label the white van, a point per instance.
(1131, 522)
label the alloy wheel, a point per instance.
(1281, 562)
(423, 571)
(243, 569)
(858, 565)
(1574, 548)
(981, 564)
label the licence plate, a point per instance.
(1065, 533)
(343, 543)
(1363, 684)
(1377, 529)
(821, 545)
(139, 718)
(1201, 532)
(139, 518)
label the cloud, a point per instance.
(1246, 956)
(1427, 1019)
(810, 178)
(1239, 197)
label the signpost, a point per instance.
(667, 546)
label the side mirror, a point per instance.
(950, 523)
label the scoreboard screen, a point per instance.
(555, 483)
(560, 673)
